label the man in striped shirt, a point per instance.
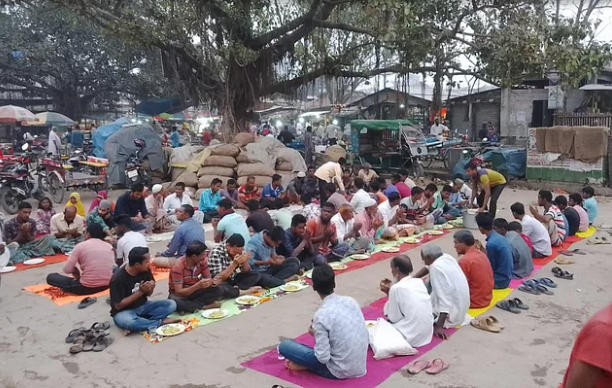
(553, 219)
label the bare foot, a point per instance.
(170, 320)
(126, 332)
(214, 305)
(293, 366)
(292, 278)
(249, 291)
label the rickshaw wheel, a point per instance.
(426, 161)
(56, 188)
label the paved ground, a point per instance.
(531, 352)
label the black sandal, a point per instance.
(74, 334)
(561, 274)
(86, 302)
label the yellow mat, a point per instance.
(589, 232)
(497, 296)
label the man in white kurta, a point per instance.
(449, 290)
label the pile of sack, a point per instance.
(221, 164)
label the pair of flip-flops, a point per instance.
(563, 260)
(561, 274)
(433, 368)
(571, 252)
(86, 302)
(94, 339)
(598, 241)
(538, 286)
(488, 323)
(512, 305)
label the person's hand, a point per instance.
(76, 273)
(329, 232)
(533, 210)
(146, 287)
(400, 211)
(25, 227)
(205, 283)
(385, 285)
(378, 223)
(307, 237)
(357, 227)
(277, 260)
(481, 210)
(216, 281)
(430, 201)
(439, 332)
(75, 233)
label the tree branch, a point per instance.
(343, 27)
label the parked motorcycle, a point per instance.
(134, 173)
(18, 184)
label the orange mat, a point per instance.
(60, 297)
(58, 258)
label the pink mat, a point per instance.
(378, 371)
(516, 283)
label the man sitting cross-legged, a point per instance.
(521, 253)
(341, 337)
(19, 233)
(187, 232)
(348, 231)
(128, 239)
(67, 228)
(91, 265)
(298, 243)
(130, 288)
(230, 264)
(275, 270)
(324, 236)
(229, 224)
(409, 305)
(499, 251)
(102, 216)
(476, 268)
(552, 219)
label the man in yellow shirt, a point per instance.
(330, 172)
(491, 184)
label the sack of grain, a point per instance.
(216, 170)
(176, 172)
(283, 165)
(219, 160)
(335, 152)
(190, 191)
(188, 178)
(168, 187)
(205, 181)
(242, 158)
(246, 169)
(198, 194)
(226, 150)
(244, 138)
(260, 181)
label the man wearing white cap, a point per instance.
(154, 204)
(461, 194)
(370, 219)
(295, 189)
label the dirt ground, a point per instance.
(532, 351)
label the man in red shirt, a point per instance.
(248, 192)
(403, 188)
(477, 269)
(324, 236)
(590, 363)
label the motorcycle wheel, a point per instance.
(10, 199)
(56, 188)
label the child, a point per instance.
(590, 204)
(518, 228)
(311, 210)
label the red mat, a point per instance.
(58, 258)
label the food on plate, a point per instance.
(217, 314)
(249, 300)
(338, 266)
(291, 287)
(170, 330)
(391, 249)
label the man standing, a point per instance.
(499, 251)
(309, 147)
(521, 253)
(187, 232)
(55, 142)
(552, 219)
(175, 138)
(285, 136)
(491, 184)
(477, 269)
(67, 228)
(209, 199)
(298, 243)
(330, 172)
(275, 270)
(339, 329)
(133, 204)
(130, 288)
(274, 189)
(324, 236)
(249, 191)
(534, 230)
(76, 138)
(128, 239)
(437, 129)
(230, 264)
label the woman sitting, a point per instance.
(75, 200)
(43, 217)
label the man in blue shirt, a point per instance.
(297, 243)
(187, 232)
(275, 270)
(499, 251)
(275, 189)
(387, 188)
(209, 199)
(175, 140)
(76, 137)
(230, 223)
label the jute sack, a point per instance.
(220, 160)
(242, 158)
(335, 152)
(198, 194)
(260, 181)
(188, 178)
(283, 165)
(216, 170)
(246, 169)
(205, 181)
(226, 150)
(244, 138)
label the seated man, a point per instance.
(229, 224)
(516, 226)
(409, 305)
(339, 329)
(19, 234)
(450, 293)
(274, 189)
(91, 265)
(401, 187)
(130, 287)
(67, 228)
(231, 193)
(461, 194)
(128, 239)
(174, 201)
(552, 219)
(571, 215)
(258, 219)
(324, 237)
(590, 203)
(521, 254)
(297, 243)
(280, 213)
(334, 197)
(229, 263)
(376, 192)
(476, 268)
(434, 203)
(449, 212)
(209, 199)
(275, 270)
(347, 181)
(393, 217)
(187, 232)
(133, 204)
(101, 215)
(311, 184)
(386, 188)
(310, 210)
(499, 251)
(360, 196)
(372, 222)
(191, 285)
(348, 231)
(575, 201)
(534, 230)
(249, 191)
(367, 174)
(295, 189)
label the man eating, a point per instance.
(275, 270)
(477, 269)
(133, 204)
(499, 251)
(230, 264)
(101, 215)
(324, 236)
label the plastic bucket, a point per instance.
(469, 219)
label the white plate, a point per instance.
(359, 257)
(338, 266)
(309, 275)
(153, 239)
(292, 287)
(370, 324)
(390, 249)
(207, 313)
(38, 260)
(181, 328)
(413, 241)
(247, 300)
(436, 232)
(10, 268)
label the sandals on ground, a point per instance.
(561, 274)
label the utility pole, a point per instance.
(557, 12)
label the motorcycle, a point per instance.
(18, 185)
(134, 173)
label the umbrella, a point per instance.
(51, 118)
(11, 113)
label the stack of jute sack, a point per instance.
(221, 164)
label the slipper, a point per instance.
(548, 282)
(496, 322)
(418, 366)
(578, 251)
(519, 304)
(561, 274)
(485, 324)
(544, 290)
(89, 343)
(74, 334)
(102, 343)
(77, 346)
(86, 302)
(529, 290)
(100, 326)
(437, 366)
(564, 260)
(508, 305)
(567, 253)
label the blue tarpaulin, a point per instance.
(103, 133)
(163, 105)
(509, 161)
